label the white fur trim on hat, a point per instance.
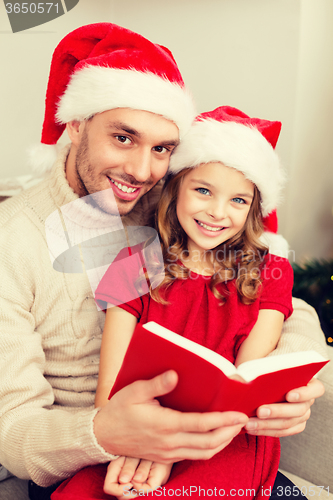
(276, 243)
(41, 157)
(238, 146)
(95, 89)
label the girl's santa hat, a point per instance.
(229, 136)
(101, 67)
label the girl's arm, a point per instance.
(124, 473)
(263, 337)
(117, 333)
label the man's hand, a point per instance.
(286, 419)
(134, 424)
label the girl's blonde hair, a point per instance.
(242, 254)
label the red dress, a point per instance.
(248, 465)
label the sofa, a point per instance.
(307, 458)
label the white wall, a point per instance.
(309, 225)
(271, 58)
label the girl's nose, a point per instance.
(218, 210)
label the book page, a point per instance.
(252, 369)
(212, 357)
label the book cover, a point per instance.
(204, 383)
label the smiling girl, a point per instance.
(221, 288)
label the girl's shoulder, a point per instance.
(271, 262)
(277, 283)
(276, 271)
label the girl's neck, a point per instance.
(199, 262)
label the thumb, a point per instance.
(142, 391)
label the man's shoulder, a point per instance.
(25, 206)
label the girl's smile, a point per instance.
(208, 229)
(213, 204)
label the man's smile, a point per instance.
(124, 191)
(125, 188)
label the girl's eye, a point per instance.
(123, 139)
(238, 200)
(203, 191)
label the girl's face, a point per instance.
(213, 204)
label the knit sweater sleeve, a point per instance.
(39, 439)
(301, 332)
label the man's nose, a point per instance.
(139, 165)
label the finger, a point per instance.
(277, 427)
(128, 493)
(290, 431)
(200, 446)
(313, 390)
(192, 454)
(115, 467)
(142, 471)
(119, 490)
(128, 470)
(202, 423)
(158, 475)
(283, 410)
(146, 390)
(111, 482)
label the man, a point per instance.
(125, 107)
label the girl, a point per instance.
(221, 288)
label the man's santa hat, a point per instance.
(229, 136)
(101, 67)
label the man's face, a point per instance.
(123, 149)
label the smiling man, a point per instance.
(125, 107)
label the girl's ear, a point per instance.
(74, 131)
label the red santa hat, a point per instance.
(229, 136)
(104, 66)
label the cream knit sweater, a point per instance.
(50, 335)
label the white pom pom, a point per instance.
(276, 243)
(41, 157)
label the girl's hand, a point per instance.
(149, 480)
(118, 477)
(127, 477)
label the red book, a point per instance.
(204, 383)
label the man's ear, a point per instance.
(74, 131)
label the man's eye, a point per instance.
(203, 191)
(123, 139)
(238, 200)
(160, 149)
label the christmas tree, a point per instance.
(313, 282)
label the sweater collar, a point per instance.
(61, 191)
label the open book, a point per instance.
(204, 383)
